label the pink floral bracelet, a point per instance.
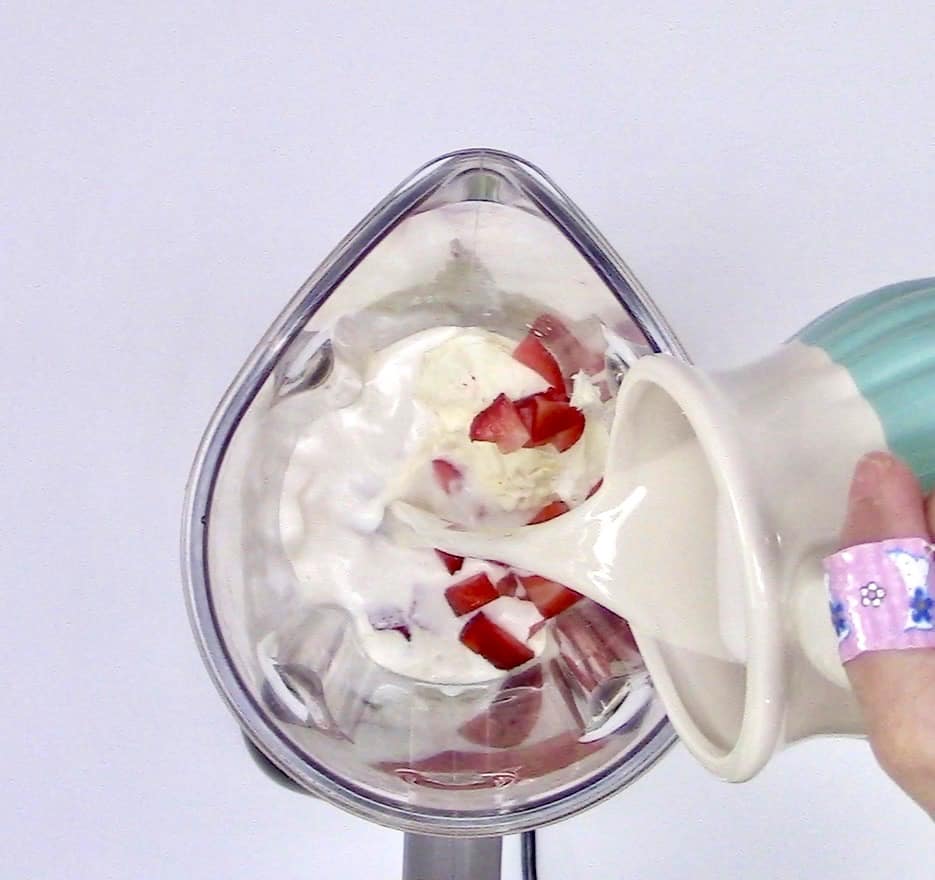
(881, 596)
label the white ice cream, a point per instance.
(417, 403)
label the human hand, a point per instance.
(895, 689)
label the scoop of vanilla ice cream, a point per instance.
(462, 375)
(459, 378)
(520, 480)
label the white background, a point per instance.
(169, 174)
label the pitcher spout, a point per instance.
(706, 535)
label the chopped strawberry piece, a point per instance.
(613, 630)
(511, 716)
(554, 394)
(554, 419)
(533, 354)
(507, 722)
(452, 563)
(559, 679)
(526, 410)
(390, 619)
(548, 326)
(591, 362)
(595, 644)
(549, 597)
(564, 440)
(530, 677)
(447, 475)
(508, 585)
(572, 354)
(550, 511)
(527, 406)
(469, 594)
(550, 420)
(596, 486)
(500, 423)
(494, 644)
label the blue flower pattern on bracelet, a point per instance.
(914, 571)
(839, 618)
(920, 609)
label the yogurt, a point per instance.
(416, 407)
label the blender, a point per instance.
(476, 238)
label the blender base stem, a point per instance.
(426, 857)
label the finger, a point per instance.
(896, 689)
(885, 502)
(930, 514)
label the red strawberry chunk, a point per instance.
(531, 677)
(533, 354)
(570, 351)
(447, 475)
(553, 419)
(596, 486)
(595, 644)
(508, 721)
(549, 597)
(452, 563)
(550, 420)
(528, 406)
(548, 326)
(550, 511)
(564, 440)
(469, 594)
(494, 644)
(390, 619)
(500, 423)
(512, 715)
(508, 585)
(612, 629)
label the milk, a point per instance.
(619, 549)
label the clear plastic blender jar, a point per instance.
(475, 238)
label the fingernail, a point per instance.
(885, 501)
(868, 476)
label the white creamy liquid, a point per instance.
(418, 399)
(628, 549)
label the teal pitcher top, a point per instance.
(886, 341)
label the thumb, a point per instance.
(895, 689)
(885, 502)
